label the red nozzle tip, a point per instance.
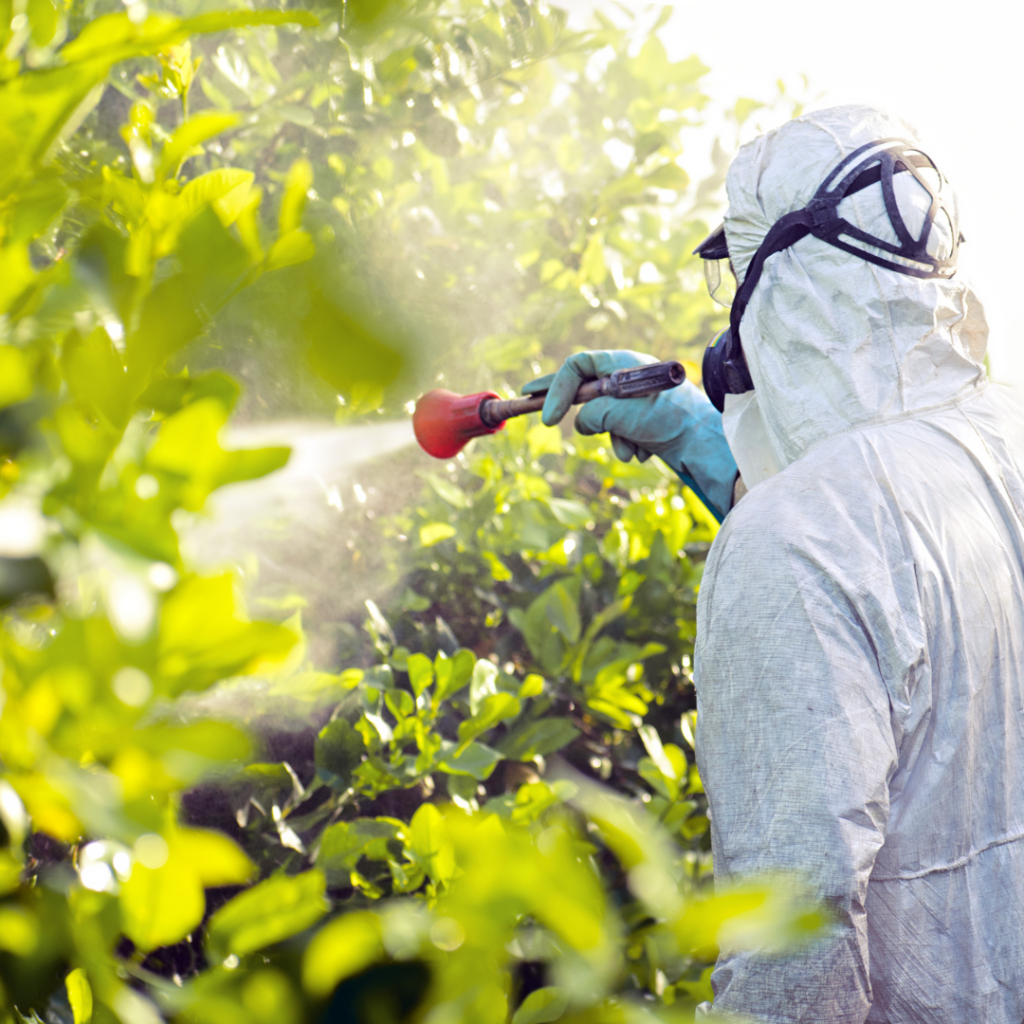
(444, 421)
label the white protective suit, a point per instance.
(860, 654)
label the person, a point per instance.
(860, 651)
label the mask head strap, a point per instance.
(873, 163)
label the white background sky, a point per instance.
(955, 70)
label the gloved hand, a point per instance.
(680, 426)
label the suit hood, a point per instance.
(832, 341)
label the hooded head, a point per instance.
(832, 341)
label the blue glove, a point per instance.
(680, 426)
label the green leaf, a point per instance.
(343, 947)
(494, 709)
(483, 684)
(670, 176)
(43, 16)
(434, 533)
(543, 737)
(421, 672)
(447, 491)
(592, 265)
(657, 779)
(534, 798)
(15, 376)
(209, 739)
(39, 203)
(744, 108)
(195, 130)
(79, 995)
(266, 914)
(171, 394)
(430, 844)
(226, 189)
(216, 859)
(339, 749)
(10, 872)
(160, 906)
(355, 346)
(399, 702)
(15, 270)
(345, 843)
(293, 202)
(19, 931)
(533, 686)
(294, 247)
(561, 606)
(477, 760)
(541, 1006)
(452, 674)
(115, 37)
(652, 741)
(203, 638)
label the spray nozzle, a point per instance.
(443, 421)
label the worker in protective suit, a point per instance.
(860, 649)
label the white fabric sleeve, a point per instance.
(796, 747)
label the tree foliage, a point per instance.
(496, 816)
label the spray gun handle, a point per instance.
(636, 382)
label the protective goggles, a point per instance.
(928, 251)
(718, 272)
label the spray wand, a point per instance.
(444, 421)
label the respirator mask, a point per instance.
(928, 251)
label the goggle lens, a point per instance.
(721, 283)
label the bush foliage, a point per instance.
(488, 811)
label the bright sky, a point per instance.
(952, 69)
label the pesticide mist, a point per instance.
(292, 532)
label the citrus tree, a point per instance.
(490, 811)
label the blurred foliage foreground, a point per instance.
(507, 826)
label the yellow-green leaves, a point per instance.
(421, 672)
(186, 140)
(293, 203)
(541, 1006)
(203, 637)
(505, 871)
(495, 708)
(79, 995)
(19, 930)
(544, 736)
(434, 533)
(339, 749)
(267, 913)
(163, 900)
(592, 265)
(293, 245)
(15, 376)
(15, 272)
(357, 349)
(10, 872)
(666, 768)
(114, 37)
(341, 948)
(188, 451)
(161, 905)
(431, 845)
(33, 116)
(45, 20)
(95, 375)
(452, 673)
